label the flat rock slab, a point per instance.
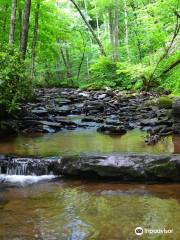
(122, 167)
(126, 167)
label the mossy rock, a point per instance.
(165, 102)
(151, 103)
(165, 170)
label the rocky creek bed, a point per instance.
(112, 112)
(107, 112)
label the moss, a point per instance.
(151, 102)
(165, 102)
(166, 170)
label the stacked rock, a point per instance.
(176, 114)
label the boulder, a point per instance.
(165, 102)
(126, 167)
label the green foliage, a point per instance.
(103, 72)
(67, 55)
(14, 83)
(133, 75)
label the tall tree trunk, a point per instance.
(116, 30)
(35, 36)
(111, 32)
(135, 31)
(87, 66)
(97, 21)
(25, 28)
(69, 66)
(87, 58)
(20, 22)
(126, 29)
(80, 65)
(66, 63)
(82, 58)
(90, 28)
(12, 22)
(106, 28)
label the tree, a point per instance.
(25, 28)
(12, 22)
(90, 28)
(35, 36)
(126, 29)
(116, 29)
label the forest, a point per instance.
(89, 119)
(98, 44)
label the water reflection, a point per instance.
(84, 210)
(71, 142)
(176, 142)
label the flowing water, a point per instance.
(50, 208)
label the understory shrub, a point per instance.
(14, 84)
(103, 73)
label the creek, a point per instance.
(52, 207)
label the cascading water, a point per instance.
(23, 171)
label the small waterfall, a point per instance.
(26, 170)
(20, 169)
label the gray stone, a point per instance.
(124, 167)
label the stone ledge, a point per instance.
(122, 167)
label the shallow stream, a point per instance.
(52, 208)
(86, 141)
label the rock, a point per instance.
(112, 130)
(51, 124)
(62, 111)
(126, 167)
(176, 107)
(45, 129)
(149, 122)
(102, 96)
(113, 122)
(165, 102)
(40, 112)
(123, 167)
(92, 119)
(94, 105)
(84, 94)
(176, 116)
